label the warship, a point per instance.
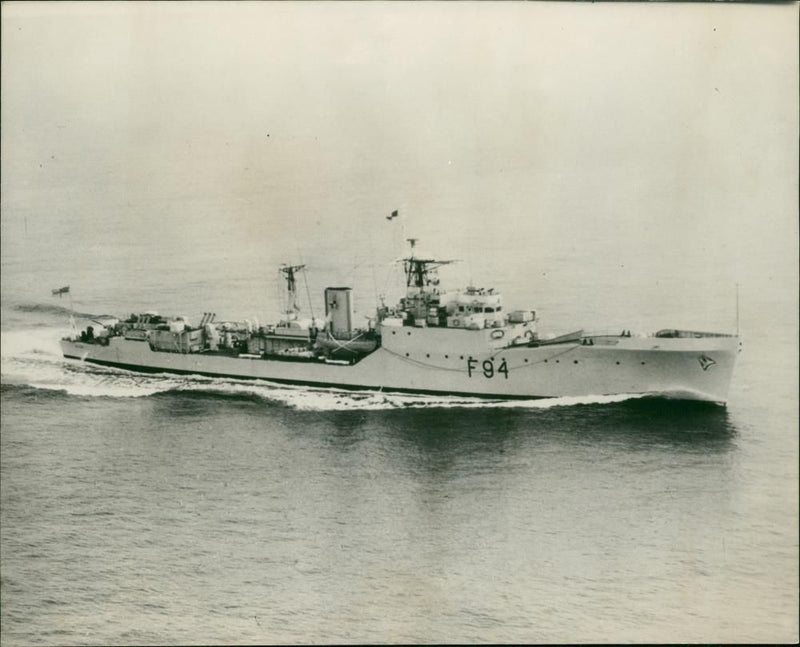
(434, 341)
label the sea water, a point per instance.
(173, 509)
(170, 158)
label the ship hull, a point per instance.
(437, 362)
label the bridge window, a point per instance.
(488, 309)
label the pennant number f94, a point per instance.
(487, 368)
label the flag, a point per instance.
(60, 291)
(394, 215)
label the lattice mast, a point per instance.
(291, 289)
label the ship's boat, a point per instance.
(433, 341)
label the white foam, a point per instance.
(35, 341)
(331, 399)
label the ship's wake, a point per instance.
(32, 358)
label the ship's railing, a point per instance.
(692, 334)
(666, 332)
(609, 332)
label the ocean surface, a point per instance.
(614, 168)
(144, 509)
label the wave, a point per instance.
(50, 309)
(39, 341)
(32, 358)
(329, 399)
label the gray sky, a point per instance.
(559, 123)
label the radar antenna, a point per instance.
(421, 271)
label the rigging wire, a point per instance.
(277, 285)
(305, 279)
(372, 265)
(308, 295)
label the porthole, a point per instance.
(408, 333)
(462, 357)
(406, 354)
(526, 360)
(558, 361)
(427, 354)
(545, 361)
(643, 363)
(394, 332)
(574, 361)
(617, 363)
(447, 356)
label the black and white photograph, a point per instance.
(399, 322)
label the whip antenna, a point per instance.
(737, 309)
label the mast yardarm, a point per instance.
(420, 272)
